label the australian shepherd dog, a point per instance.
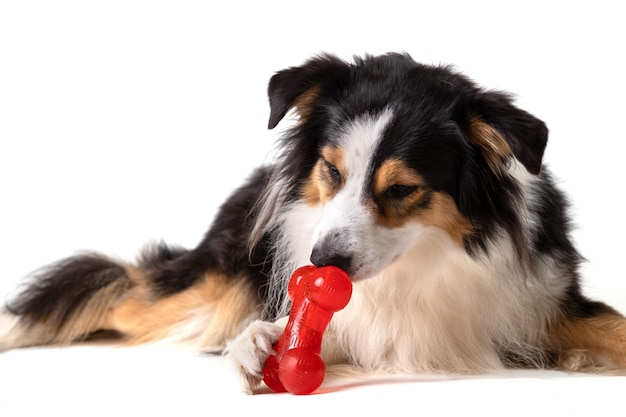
(428, 190)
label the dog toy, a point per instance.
(317, 294)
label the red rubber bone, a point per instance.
(317, 294)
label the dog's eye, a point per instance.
(398, 191)
(333, 173)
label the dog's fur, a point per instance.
(427, 189)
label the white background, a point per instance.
(128, 121)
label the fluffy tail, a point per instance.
(170, 293)
(64, 302)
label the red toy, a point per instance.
(316, 293)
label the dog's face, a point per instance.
(375, 202)
(390, 149)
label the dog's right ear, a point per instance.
(299, 87)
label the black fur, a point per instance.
(431, 131)
(56, 292)
(434, 104)
(224, 248)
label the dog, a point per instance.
(426, 188)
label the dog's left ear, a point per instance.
(299, 87)
(500, 130)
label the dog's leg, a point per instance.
(249, 351)
(203, 317)
(593, 343)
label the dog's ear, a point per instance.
(299, 87)
(500, 129)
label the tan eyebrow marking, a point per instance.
(317, 188)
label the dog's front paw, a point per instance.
(249, 351)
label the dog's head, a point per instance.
(390, 148)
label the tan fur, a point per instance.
(304, 103)
(444, 214)
(395, 171)
(91, 317)
(56, 329)
(592, 342)
(207, 314)
(312, 190)
(494, 148)
(319, 187)
(441, 211)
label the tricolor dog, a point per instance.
(427, 189)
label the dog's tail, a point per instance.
(87, 294)
(63, 302)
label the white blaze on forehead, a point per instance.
(359, 141)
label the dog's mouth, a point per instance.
(359, 273)
(356, 270)
(361, 258)
(364, 272)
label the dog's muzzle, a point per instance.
(332, 250)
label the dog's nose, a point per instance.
(322, 257)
